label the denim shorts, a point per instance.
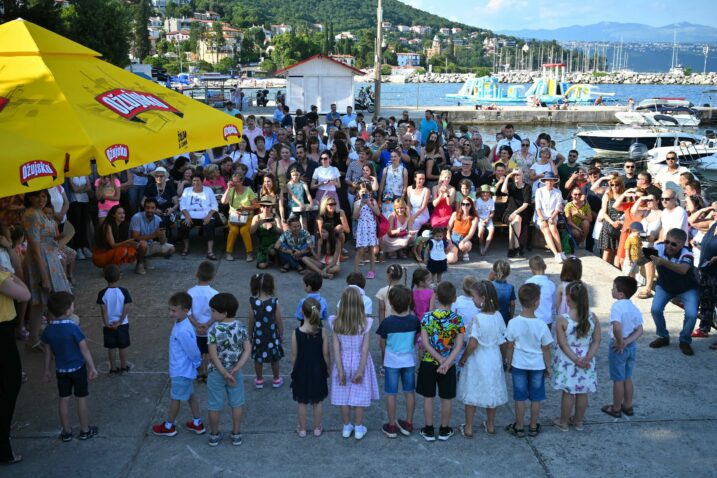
(182, 388)
(407, 375)
(456, 238)
(528, 385)
(217, 388)
(621, 365)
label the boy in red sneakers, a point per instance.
(184, 358)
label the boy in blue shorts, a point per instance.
(114, 304)
(229, 349)
(528, 355)
(442, 333)
(398, 347)
(184, 358)
(65, 341)
(625, 329)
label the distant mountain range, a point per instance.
(628, 32)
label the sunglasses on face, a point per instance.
(572, 155)
(465, 204)
(673, 244)
(671, 159)
(666, 199)
(331, 204)
(629, 167)
(614, 185)
(325, 157)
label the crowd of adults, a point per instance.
(293, 189)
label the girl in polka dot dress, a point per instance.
(266, 329)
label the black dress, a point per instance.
(309, 377)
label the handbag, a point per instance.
(238, 218)
(382, 226)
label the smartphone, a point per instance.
(649, 252)
(364, 197)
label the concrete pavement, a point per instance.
(672, 432)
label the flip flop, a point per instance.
(513, 430)
(560, 426)
(462, 428)
(608, 409)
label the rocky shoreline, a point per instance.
(615, 78)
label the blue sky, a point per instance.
(532, 14)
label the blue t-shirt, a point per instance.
(506, 294)
(426, 128)
(64, 337)
(400, 334)
(314, 295)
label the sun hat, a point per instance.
(549, 176)
(160, 169)
(485, 189)
(266, 201)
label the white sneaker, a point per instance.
(360, 432)
(88, 252)
(559, 258)
(562, 254)
(348, 430)
(80, 255)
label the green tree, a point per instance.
(268, 66)
(225, 65)
(141, 45)
(197, 31)
(217, 39)
(102, 25)
(45, 13)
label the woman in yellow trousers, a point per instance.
(242, 204)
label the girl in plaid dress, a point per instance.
(353, 378)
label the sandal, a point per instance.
(184, 253)
(284, 269)
(533, 432)
(627, 411)
(577, 425)
(643, 295)
(608, 409)
(211, 256)
(462, 428)
(489, 432)
(114, 371)
(513, 430)
(560, 426)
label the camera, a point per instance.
(392, 145)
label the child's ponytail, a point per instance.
(311, 310)
(577, 291)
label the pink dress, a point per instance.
(353, 394)
(421, 301)
(441, 214)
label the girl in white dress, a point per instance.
(482, 382)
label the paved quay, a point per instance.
(671, 434)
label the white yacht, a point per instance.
(677, 116)
(617, 139)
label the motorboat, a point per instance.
(671, 117)
(486, 89)
(617, 139)
(551, 89)
(688, 154)
(709, 164)
(652, 104)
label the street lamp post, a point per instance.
(379, 60)
(706, 51)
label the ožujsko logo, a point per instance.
(231, 130)
(128, 104)
(36, 169)
(117, 152)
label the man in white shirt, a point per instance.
(673, 215)
(509, 139)
(251, 131)
(669, 178)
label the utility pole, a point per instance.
(379, 61)
(706, 51)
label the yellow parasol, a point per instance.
(56, 92)
(42, 166)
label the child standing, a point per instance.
(505, 290)
(546, 308)
(633, 250)
(482, 383)
(422, 291)
(625, 329)
(310, 366)
(266, 329)
(578, 340)
(464, 305)
(437, 262)
(442, 337)
(298, 194)
(365, 211)
(184, 359)
(353, 379)
(201, 316)
(528, 356)
(398, 346)
(572, 271)
(229, 349)
(65, 342)
(485, 207)
(312, 285)
(394, 274)
(114, 306)
(358, 279)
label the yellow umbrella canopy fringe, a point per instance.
(58, 94)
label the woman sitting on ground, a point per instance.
(461, 229)
(333, 227)
(199, 208)
(242, 204)
(114, 244)
(265, 229)
(399, 236)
